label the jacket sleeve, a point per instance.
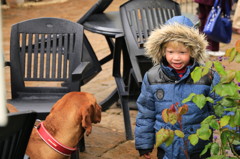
(144, 131)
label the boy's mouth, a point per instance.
(177, 65)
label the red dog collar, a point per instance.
(53, 143)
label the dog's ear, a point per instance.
(91, 114)
(96, 116)
(86, 120)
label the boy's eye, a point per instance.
(182, 52)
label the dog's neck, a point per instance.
(59, 129)
(53, 143)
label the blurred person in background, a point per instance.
(236, 19)
(205, 7)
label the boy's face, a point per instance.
(178, 56)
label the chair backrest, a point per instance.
(97, 8)
(139, 18)
(47, 50)
(15, 135)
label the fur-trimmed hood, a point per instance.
(189, 36)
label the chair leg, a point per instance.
(81, 144)
(75, 155)
(126, 116)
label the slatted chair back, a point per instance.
(45, 49)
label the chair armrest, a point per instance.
(119, 35)
(80, 68)
(77, 76)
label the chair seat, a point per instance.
(40, 106)
(37, 105)
(104, 23)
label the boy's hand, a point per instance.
(147, 155)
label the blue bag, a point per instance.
(218, 27)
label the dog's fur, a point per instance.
(69, 117)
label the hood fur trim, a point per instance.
(190, 37)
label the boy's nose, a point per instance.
(176, 57)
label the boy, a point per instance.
(175, 49)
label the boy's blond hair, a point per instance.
(189, 37)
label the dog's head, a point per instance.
(85, 107)
(80, 107)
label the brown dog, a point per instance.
(69, 117)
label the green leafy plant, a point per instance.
(226, 121)
(172, 115)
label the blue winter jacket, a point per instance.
(161, 87)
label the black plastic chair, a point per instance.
(139, 18)
(44, 51)
(48, 52)
(15, 135)
(109, 25)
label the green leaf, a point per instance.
(232, 55)
(161, 136)
(228, 52)
(205, 70)
(224, 136)
(209, 100)
(170, 139)
(204, 133)
(172, 117)
(218, 110)
(189, 98)
(227, 102)
(224, 120)
(206, 149)
(229, 77)
(232, 122)
(232, 109)
(237, 58)
(208, 64)
(237, 118)
(238, 75)
(236, 142)
(193, 138)
(219, 68)
(208, 119)
(214, 148)
(227, 89)
(214, 124)
(199, 100)
(196, 74)
(216, 157)
(179, 133)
